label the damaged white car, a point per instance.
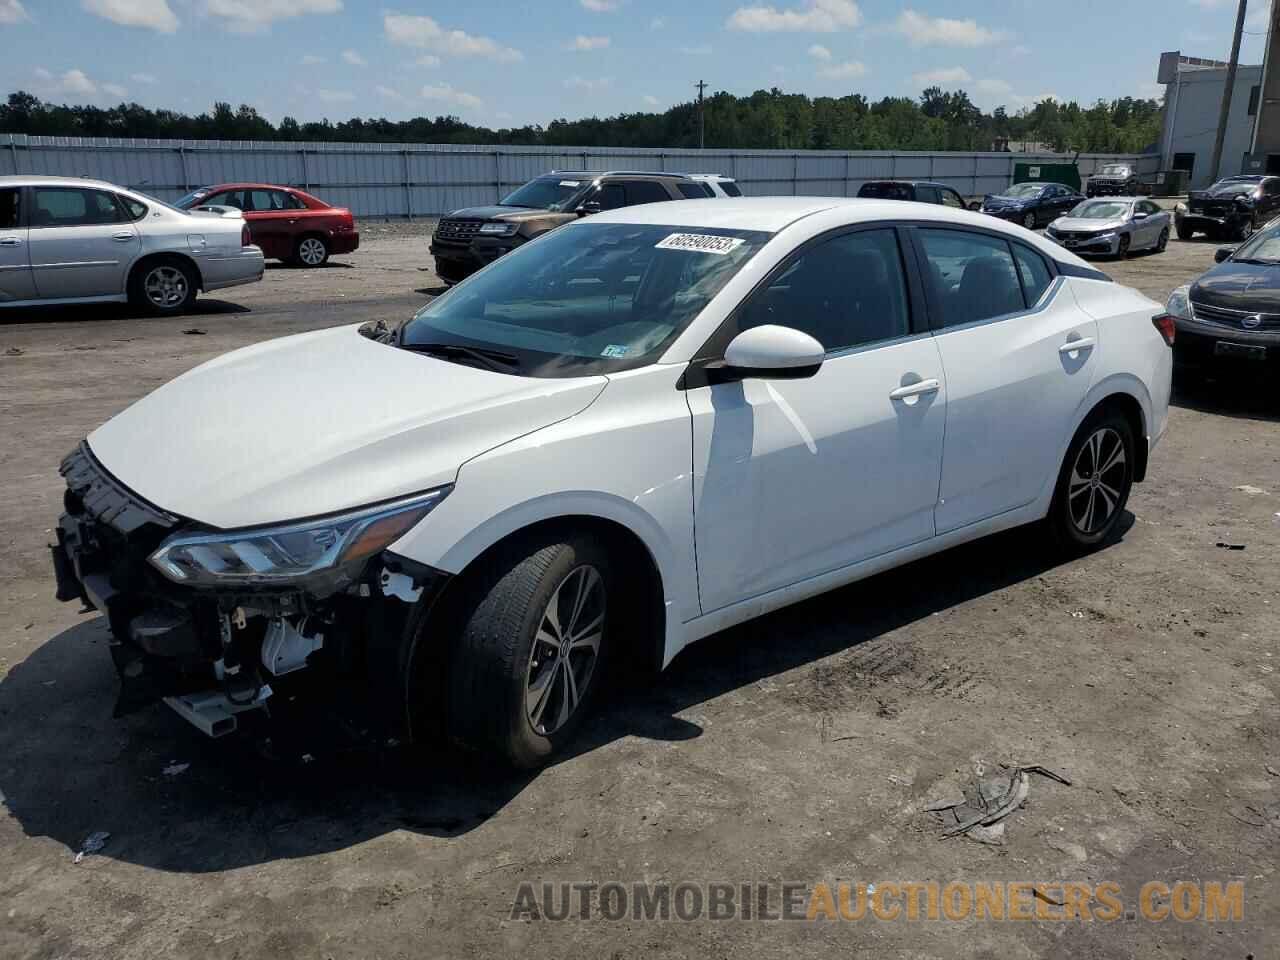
(628, 434)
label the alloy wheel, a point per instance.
(311, 252)
(565, 650)
(1029, 221)
(166, 287)
(1098, 479)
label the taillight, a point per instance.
(1164, 323)
(246, 237)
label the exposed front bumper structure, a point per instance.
(1107, 244)
(457, 261)
(213, 654)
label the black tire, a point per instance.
(1030, 220)
(502, 648)
(310, 251)
(1185, 234)
(1244, 231)
(1163, 243)
(1122, 250)
(1074, 529)
(163, 286)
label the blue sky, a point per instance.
(504, 63)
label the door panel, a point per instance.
(80, 244)
(15, 263)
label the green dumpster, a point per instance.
(1064, 173)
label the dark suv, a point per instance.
(466, 240)
(1114, 180)
(921, 191)
(1231, 209)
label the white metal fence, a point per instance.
(408, 180)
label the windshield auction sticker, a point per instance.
(700, 243)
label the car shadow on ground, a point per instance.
(203, 307)
(68, 769)
(327, 265)
(1243, 390)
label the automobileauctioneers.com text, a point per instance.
(888, 901)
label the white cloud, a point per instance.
(389, 93)
(115, 90)
(991, 85)
(353, 57)
(152, 14)
(588, 43)
(429, 60)
(600, 6)
(657, 23)
(650, 100)
(923, 31)
(254, 16)
(814, 16)
(311, 60)
(146, 78)
(12, 11)
(447, 94)
(585, 83)
(819, 52)
(73, 82)
(943, 76)
(701, 50)
(425, 34)
(848, 70)
(335, 96)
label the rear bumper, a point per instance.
(455, 262)
(247, 266)
(348, 242)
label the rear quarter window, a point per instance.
(731, 188)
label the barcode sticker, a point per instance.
(570, 183)
(700, 243)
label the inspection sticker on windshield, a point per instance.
(614, 351)
(700, 243)
(570, 183)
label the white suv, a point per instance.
(720, 186)
(623, 436)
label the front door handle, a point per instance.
(10, 241)
(122, 237)
(1076, 345)
(917, 389)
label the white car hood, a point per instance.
(1085, 225)
(318, 423)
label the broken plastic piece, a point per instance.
(92, 844)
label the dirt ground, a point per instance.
(803, 747)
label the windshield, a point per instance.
(1101, 210)
(1263, 247)
(1115, 170)
(192, 198)
(588, 298)
(1233, 188)
(547, 193)
(1024, 190)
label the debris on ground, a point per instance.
(173, 769)
(987, 802)
(1230, 546)
(92, 844)
(1252, 491)
(195, 331)
(1273, 771)
(1073, 850)
(13, 352)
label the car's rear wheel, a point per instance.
(1185, 233)
(535, 624)
(1094, 483)
(310, 252)
(164, 286)
(1029, 221)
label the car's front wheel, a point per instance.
(1122, 248)
(535, 623)
(1094, 483)
(1245, 230)
(1163, 242)
(164, 286)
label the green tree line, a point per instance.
(765, 120)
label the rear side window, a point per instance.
(973, 276)
(134, 209)
(645, 191)
(694, 191)
(951, 199)
(73, 207)
(731, 188)
(1033, 272)
(293, 202)
(927, 194)
(886, 191)
(844, 292)
(10, 207)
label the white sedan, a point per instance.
(626, 435)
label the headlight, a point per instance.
(1180, 207)
(264, 556)
(499, 229)
(1179, 304)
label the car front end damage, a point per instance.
(1103, 241)
(1216, 216)
(217, 623)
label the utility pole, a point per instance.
(702, 120)
(1226, 93)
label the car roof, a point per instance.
(252, 186)
(711, 177)
(913, 183)
(596, 174)
(22, 179)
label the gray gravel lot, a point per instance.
(802, 747)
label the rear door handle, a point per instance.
(1075, 346)
(919, 388)
(122, 237)
(10, 241)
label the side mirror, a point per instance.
(1223, 254)
(770, 352)
(588, 208)
(1140, 215)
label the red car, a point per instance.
(287, 223)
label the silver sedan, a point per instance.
(69, 240)
(1114, 226)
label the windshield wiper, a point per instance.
(492, 359)
(1256, 261)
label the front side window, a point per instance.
(844, 292)
(611, 196)
(973, 275)
(886, 191)
(927, 194)
(73, 207)
(952, 199)
(10, 207)
(586, 299)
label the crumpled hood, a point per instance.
(1086, 225)
(1240, 286)
(318, 423)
